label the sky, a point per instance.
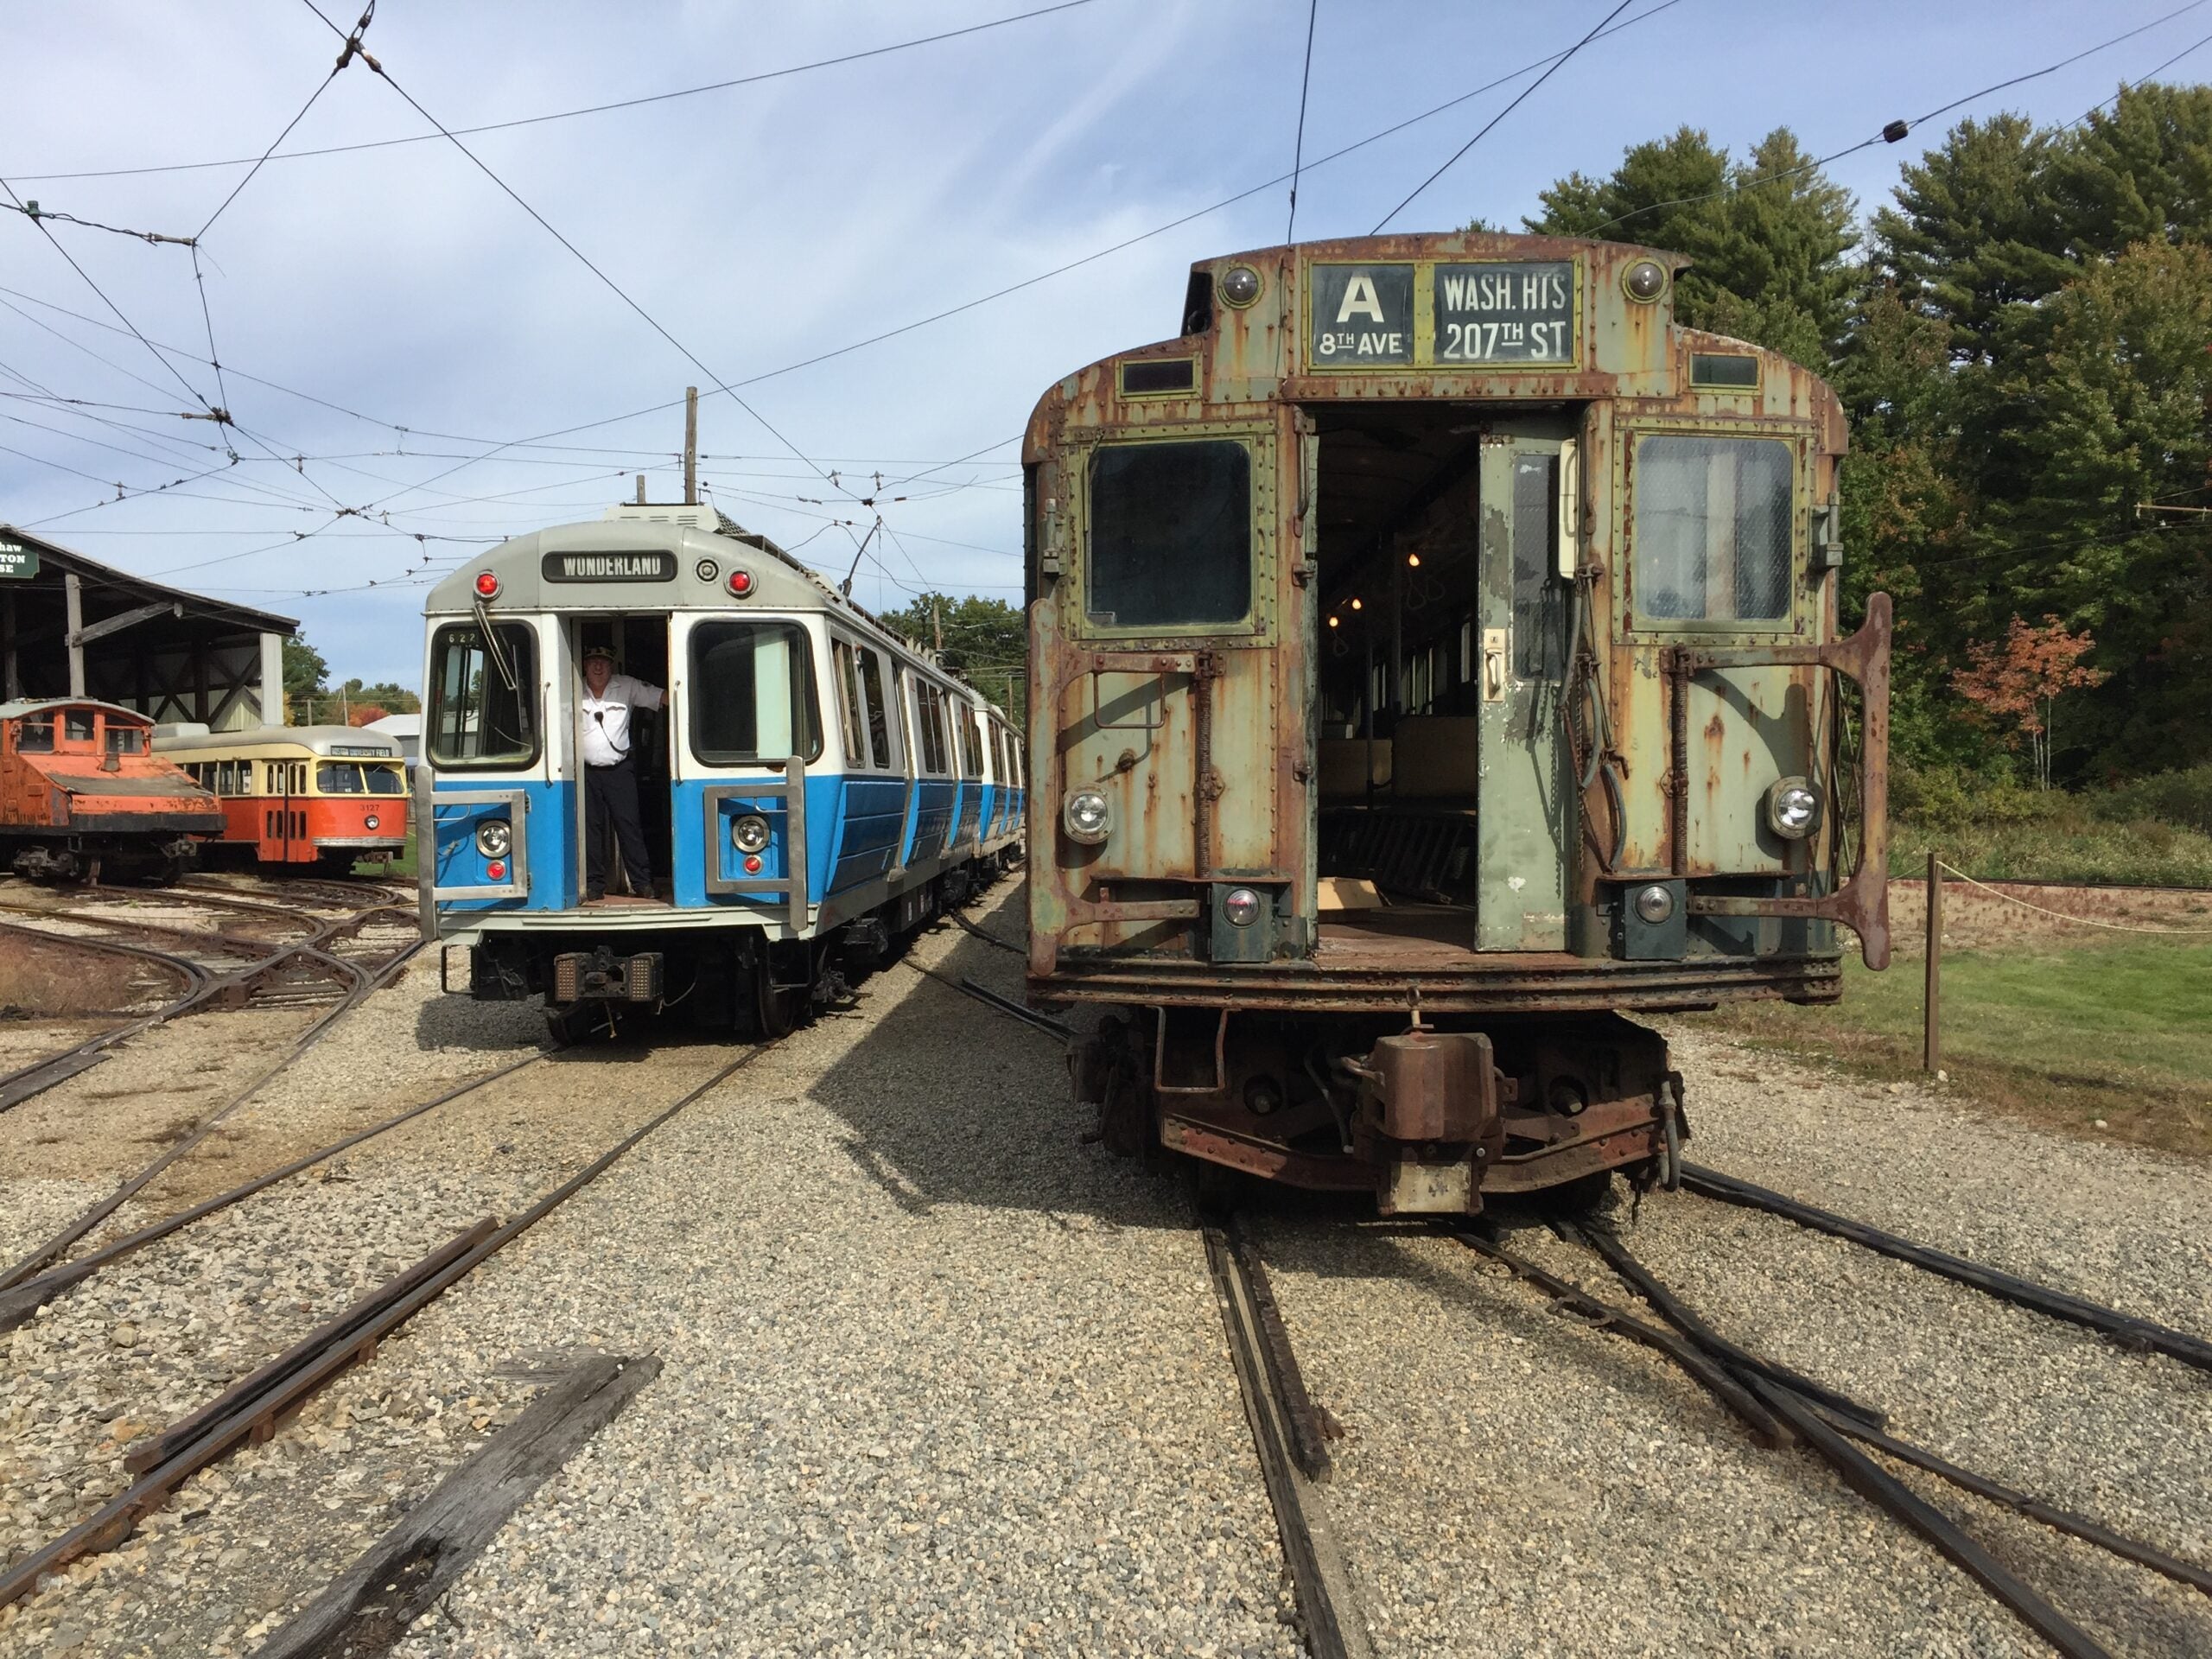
(417, 367)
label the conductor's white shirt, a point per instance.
(606, 717)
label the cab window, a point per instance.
(385, 780)
(76, 725)
(338, 778)
(753, 694)
(1170, 539)
(126, 740)
(35, 736)
(1713, 529)
(484, 695)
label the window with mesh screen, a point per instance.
(1713, 529)
(1171, 536)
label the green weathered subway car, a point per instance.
(1435, 657)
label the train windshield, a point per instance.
(1171, 534)
(483, 703)
(351, 778)
(753, 694)
(1713, 529)
(35, 736)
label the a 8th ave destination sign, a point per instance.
(1504, 313)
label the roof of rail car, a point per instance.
(348, 742)
(702, 560)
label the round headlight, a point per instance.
(750, 833)
(1240, 286)
(1087, 816)
(1241, 905)
(1644, 280)
(1655, 904)
(493, 837)
(370, 821)
(1793, 808)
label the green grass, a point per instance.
(402, 865)
(2070, 848)
(2061, 1034)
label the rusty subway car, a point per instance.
(1435, 657)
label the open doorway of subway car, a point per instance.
(1442, 796)
(639, 642)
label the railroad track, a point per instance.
(248, 1409)
(210, 967)
(1777, 1406)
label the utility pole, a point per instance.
(936, 624)
(690, 446)
(641, 489)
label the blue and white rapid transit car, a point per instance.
(813, 788)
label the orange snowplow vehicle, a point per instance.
(82, 794)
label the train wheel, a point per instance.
(774, 1012)
(1583, 1196)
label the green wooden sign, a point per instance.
(17, 560)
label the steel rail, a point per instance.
(20, 1300)
(26, 1081)
(1766, 1426)
(2125, 1329)
(1326, 1603)
(1677, 1312)
(315, 1030)
(345, 1342)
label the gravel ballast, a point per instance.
(940, 1379)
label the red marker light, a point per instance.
(753, 863)
(740, 582)
(488, 584)
(497, 869)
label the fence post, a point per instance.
(1931, 1042)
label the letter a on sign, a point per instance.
(1359, 297)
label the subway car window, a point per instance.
(483, 696)
(878, 727)
(1171, 534)
(1713, 529)
(848, 702)
(753, 694)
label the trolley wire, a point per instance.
(1298, 149)
(565, 115)
(621, 294)
(1519, 99)
(1895, 131)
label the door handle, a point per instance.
(1493, 665)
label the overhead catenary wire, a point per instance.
(1298, 148)
(566, 114)
(1519, 99)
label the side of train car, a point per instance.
(324, 796)
(1434, 658)
(813, 788)
(82, 795)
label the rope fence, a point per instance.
(2085, 921)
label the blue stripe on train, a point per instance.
(548, 840)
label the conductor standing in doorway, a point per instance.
(611, 774)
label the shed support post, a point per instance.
(272, 680)
(13, 671)
(75, 590)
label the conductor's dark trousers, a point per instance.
(611, 815)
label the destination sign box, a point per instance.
(1506, 314)
(17, 560)
(1363, 314)
(650, 566)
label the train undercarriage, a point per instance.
(1430, 1115)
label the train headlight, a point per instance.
(1655, 904)
(1088, 816)
(749, 834)
(1644, 280)
(1793, 808)
(371, 822)
(493, 837)
(1241, 905)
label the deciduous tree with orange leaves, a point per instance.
(2016, 681)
